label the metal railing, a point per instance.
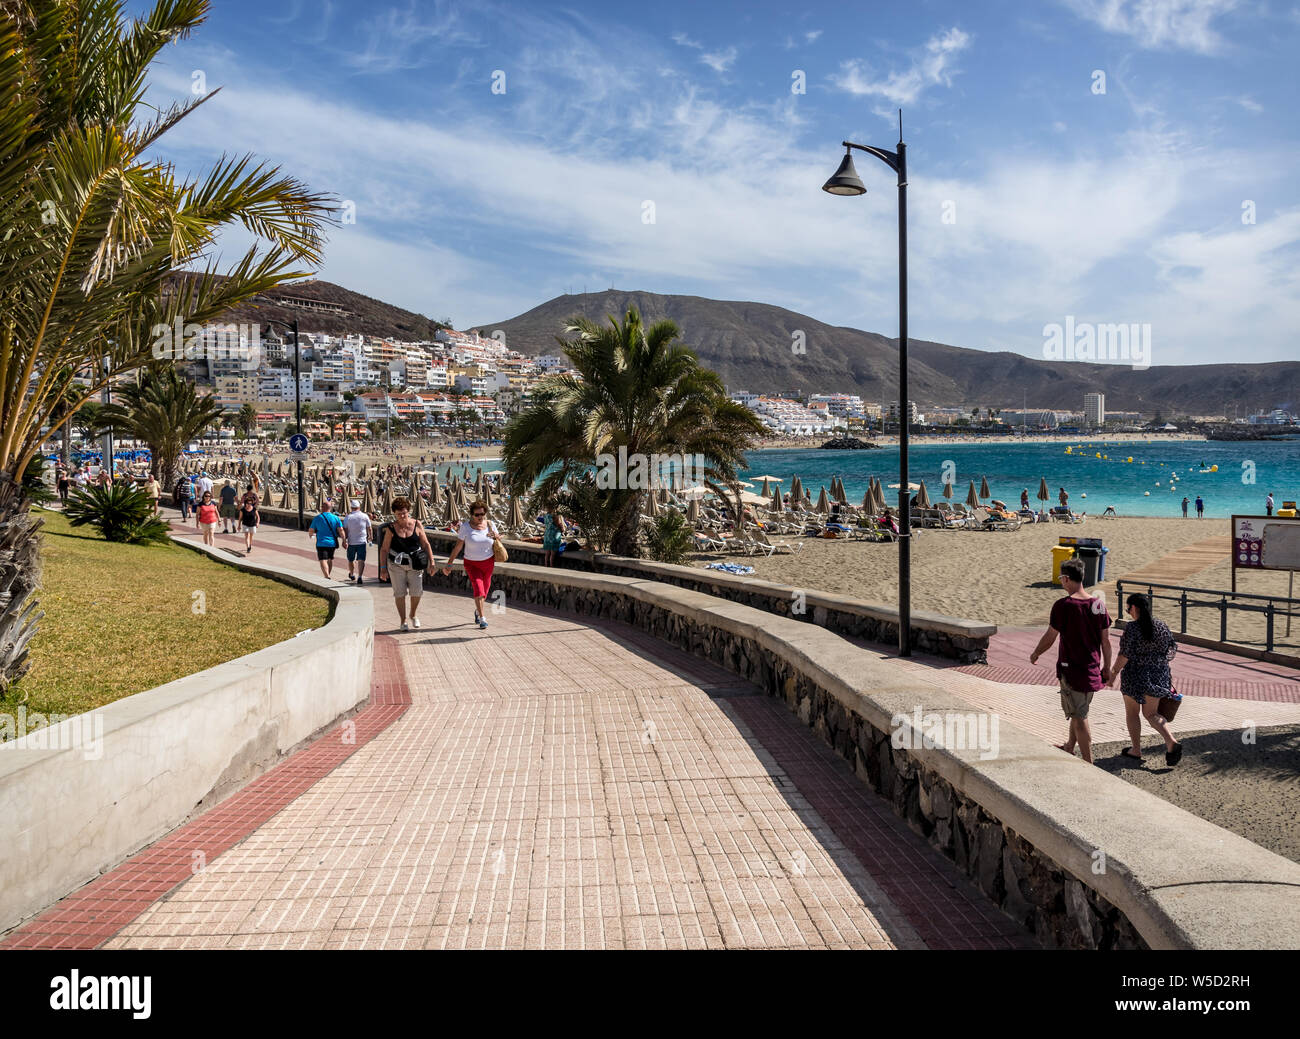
(1221, 601)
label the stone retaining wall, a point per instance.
(1077, 856)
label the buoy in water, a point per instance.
(1083, 496)
(1146, 494)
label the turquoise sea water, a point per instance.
(1139, 488)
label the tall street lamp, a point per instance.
(292, 326)
(847, 182)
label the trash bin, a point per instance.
(1091, 559)
(1101, 563)
(1060, 553)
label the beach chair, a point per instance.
(1004, 521)
(763, 539)
(707, 542)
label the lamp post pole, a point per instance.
(847, 182)
(297, 407)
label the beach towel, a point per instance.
(731, 568)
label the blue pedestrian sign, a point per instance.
(298, 443)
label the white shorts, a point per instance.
(406, 581)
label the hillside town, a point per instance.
(356, 384)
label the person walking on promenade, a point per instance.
(64, 483)
(405, 557)
(204, 483)
(249, 518)
(184, 496)
(1081, 622)
(327, 529)
(357, 524)
(1200, 507)
(205, 518)
(476, 538)
(553, 535)
(1186, 502)
(1268, 504)
(154, 490)
(1142, 670)
(229, 510)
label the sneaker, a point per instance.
(351, 578)
(415, 622)
(405, 626)
(358, 580)
(482, 623)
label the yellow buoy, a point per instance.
(1129, 459)
(1214, 468)
(1098, 454)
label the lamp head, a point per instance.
(846, 180)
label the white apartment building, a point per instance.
(791, 417)
(1094, 410)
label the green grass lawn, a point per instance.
(120, 619)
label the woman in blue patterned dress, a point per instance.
(1142, 668)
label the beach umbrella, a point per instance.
(823, 506)
(972, 499)
(693, 511)
(767, 488)
(984, 487)
(1043, 493)
(777, 505)
(368, 499)
(387, 509)
(515, 517)
(435, 498)
(485, 492)
(451, 515)
(266, 494)
(796, 489)
(320, 500)
(419, 511)
(284, 499)
(947, 490)
(923, 497)
(868, 499)
(652, 505)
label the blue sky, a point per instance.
(1033, 195)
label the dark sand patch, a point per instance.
(1251, 789)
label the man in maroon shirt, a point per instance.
(1083, 661)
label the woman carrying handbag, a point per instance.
(1142, 668)
(404, 557)
(480, 541)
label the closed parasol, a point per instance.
(984, 487)
(972, 499)
(823, 505)
(922, 497)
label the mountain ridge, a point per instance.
(753, 347)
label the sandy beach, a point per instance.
(999, 576)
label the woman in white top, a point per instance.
(477, 539)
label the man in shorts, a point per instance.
(1083, 660)
(327, 529)
(229, 510)
(357, 526)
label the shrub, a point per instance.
(668, 537)
(119, 512)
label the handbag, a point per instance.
(1169, 704)
(499, 552)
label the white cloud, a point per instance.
(1159, 24)
(1249, 104)
(931, 67)
(812, 35)
(682, 40)
(720, 61)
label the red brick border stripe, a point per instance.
(98, 911)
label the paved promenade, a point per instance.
(550, 783)
(544, 783)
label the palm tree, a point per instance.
(638, 389)
(95, 234)
(165, 412)
(246, 421)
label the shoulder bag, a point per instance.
(499, 552)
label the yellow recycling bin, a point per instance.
(1060, 553)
